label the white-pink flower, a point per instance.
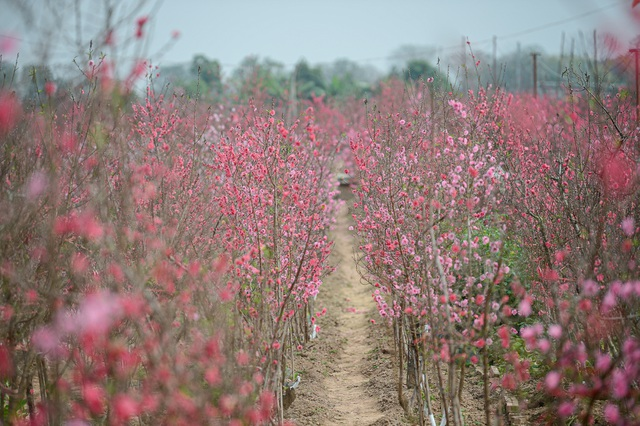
(628, 226)
(555, 331)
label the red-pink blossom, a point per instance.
(524, 308)
(566, 408)
(611, 412)
(552, 380)
(10, 111)
(8, 44)
(124, 407)
(619, 384)
(555, 331)
(94, 397)
(50, 88)
(140, 23)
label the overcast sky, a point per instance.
(366, 31)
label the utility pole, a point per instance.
(292, 112)
(635, 54)
(559, 85)
(464, 64)
(495, 62)
(596, 76)
(518, 68)
(535, 55)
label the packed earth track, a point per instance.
(341, 368)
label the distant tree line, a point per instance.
(606, 70)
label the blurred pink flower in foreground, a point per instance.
(96, 314)
(8, 44)
(628, 226)
(10, 111)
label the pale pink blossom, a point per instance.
(552, 381)
(628, 226)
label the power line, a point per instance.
(523, 32)
(561, 22)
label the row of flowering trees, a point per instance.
(490, 220)
(575, 202)
(158, 260)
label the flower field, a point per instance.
(161, 254)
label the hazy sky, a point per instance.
(366, 31)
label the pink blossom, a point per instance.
(509, 381)
(590, 288)
(611, 413)
(36, 186)
(619, 384)
(544, 345)
(566, 409)
(124, 407)
(79, 263)
(552, 381)
(8, 44)
(242, 358)
(503, 333)
(212, 375)
(603, 362)
(529, 334)
(47, 341)
(608, 302)
(10, 111)
(555, 331)
(617, 172)
(628, 226)
(94, 397)
(140, 23)
(50, 88)
(524, 308)
(98, 312)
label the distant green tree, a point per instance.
(418, 69)
(346, 78)
(32, 81)
(252, 75)
(309, 80)
(200, 77)
(208, 70)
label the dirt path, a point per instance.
(346, 378)
(347, 386)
